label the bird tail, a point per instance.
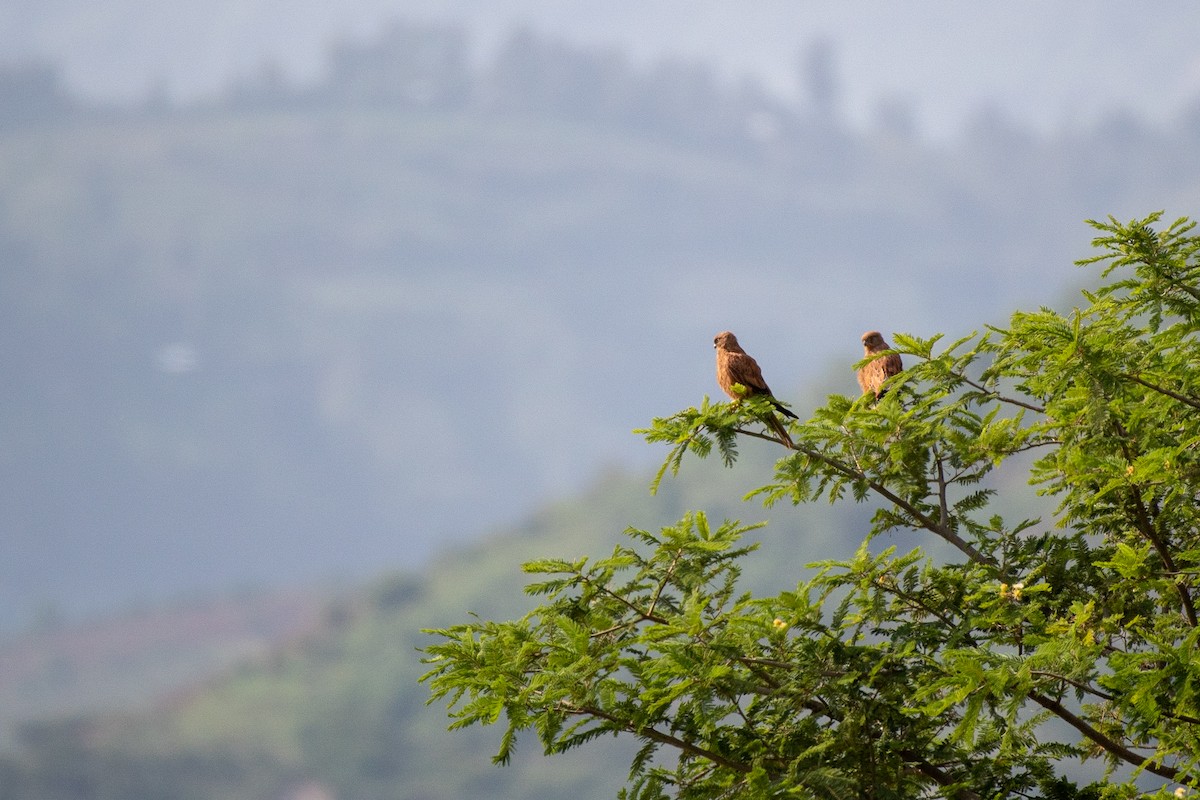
(780, 430)
(782, 409)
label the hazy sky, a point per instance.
(1049, 65)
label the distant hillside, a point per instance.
(129, 661)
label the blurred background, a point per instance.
(316, 319)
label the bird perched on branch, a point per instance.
(737, 368)
(871, 376)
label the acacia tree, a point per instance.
(976, 670)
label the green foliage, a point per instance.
(895, 674)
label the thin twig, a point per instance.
(943, 506)
(663, 583)
(944, 531)
(997, 396)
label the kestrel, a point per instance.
(872, 375)
(736, 366)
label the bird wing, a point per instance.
(744, 369)
(892, 365)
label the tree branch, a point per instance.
(1146, 527)
(1116, 748)
(763, 436)
(1083, 687)
(642, 616)
(1161, 390)
(942, 530)
(1103, 695)
(658, 736)
(662, 584)
(943, 505)
(937, 775)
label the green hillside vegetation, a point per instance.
(131, 660)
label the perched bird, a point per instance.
(872, 375)
(736, 366)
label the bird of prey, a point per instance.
(736, 366)
(871, 376)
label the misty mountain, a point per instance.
(313, 329)
(1052, 66)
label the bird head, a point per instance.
(873, 340)
(725, 340)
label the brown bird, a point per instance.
(871, 376)
(736, 366)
